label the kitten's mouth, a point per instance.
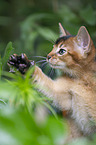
(55, 66)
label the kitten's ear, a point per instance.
(63, 32)
(83, 40)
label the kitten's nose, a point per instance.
(48, 57)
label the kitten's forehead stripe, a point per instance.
(64, 38)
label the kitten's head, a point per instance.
(72, 52)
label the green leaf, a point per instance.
(7, 53)
(9, 75)
(50, 108)
(47, 33)
(88, 15)
(68, 15)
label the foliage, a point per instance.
(21, 128)
(7, 53)
(22, 91)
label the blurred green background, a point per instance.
(32, 25)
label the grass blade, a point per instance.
(7, 53)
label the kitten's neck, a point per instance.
(80, 72)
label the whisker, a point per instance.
(40, 56)
(43, 64)
(51, 72)
(40, 61)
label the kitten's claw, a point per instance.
(20, 62)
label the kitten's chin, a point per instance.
(66, 70)
(58, 66)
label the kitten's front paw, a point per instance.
(20, 62)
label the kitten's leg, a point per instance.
(55, 89)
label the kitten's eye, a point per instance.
(62, 51)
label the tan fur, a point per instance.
(75, 90)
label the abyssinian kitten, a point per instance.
(75, 90)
